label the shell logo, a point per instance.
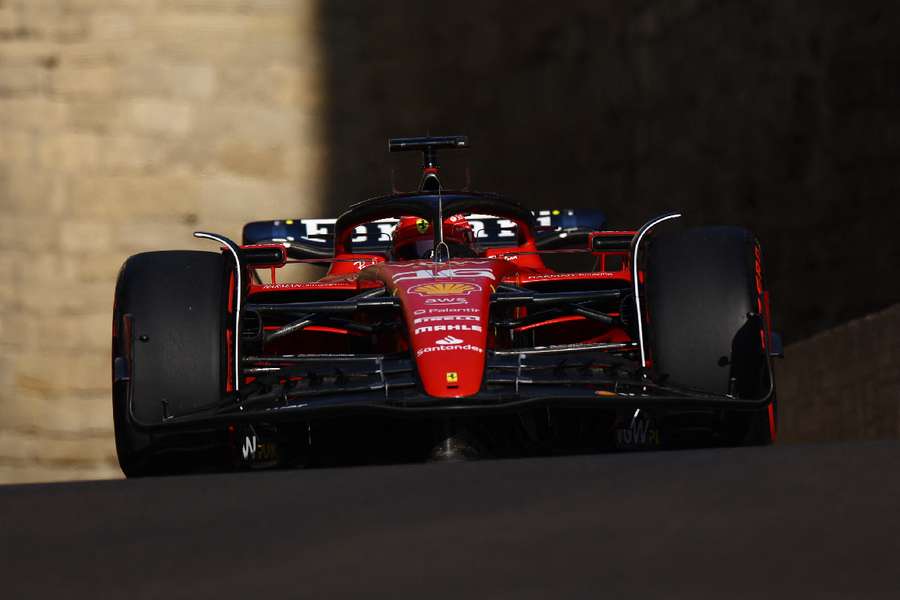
(454, 288)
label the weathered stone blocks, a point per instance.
(124, 126)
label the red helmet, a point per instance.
(413, 238)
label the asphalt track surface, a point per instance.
(810, 521)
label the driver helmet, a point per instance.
(413, 238)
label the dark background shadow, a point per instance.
(779, 116)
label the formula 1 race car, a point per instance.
(436, 328)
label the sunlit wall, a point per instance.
(124, 126)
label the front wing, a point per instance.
(300, 387)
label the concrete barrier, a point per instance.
(843, 384)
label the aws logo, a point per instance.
(444, 300)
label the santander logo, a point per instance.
(448, 340)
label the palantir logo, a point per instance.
(448, 340)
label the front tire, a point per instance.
(169, 328)
(705, 322)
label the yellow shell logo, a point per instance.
(443, 289)
(422, 225)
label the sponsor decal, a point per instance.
(492, 227)
(447, 301)
(432, 328)
(452, 377)
(258, 453)
(313, 284)
(444, 341)
(640, 433)
(447, 318)
(421, 225)
(445, 309)
(375, 231)
(447, 346)
(451, 288)
(249, 447)
(314, 227)
(463, 273)
(573, 276)
(483, 226)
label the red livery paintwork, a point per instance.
(445, 306)
(447, 342)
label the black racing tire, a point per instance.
(176, 304)
(704, 321)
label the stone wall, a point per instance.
(843, 384)
(124, 126)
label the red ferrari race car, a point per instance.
(440, 325)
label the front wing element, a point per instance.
(590, 376)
